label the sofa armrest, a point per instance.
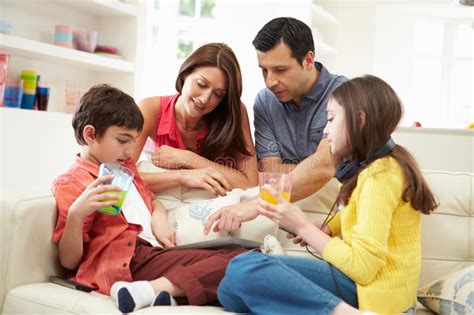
(28, 255)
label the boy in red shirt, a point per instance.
(122, 255)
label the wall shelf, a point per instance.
(98, 8)
(33, 49)
(101, 8)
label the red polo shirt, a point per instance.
(109, 240)
(167, 132)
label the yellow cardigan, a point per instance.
(380, 247)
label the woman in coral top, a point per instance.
(202, 134)
(370, 250)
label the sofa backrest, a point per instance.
(28, 255)
(439, 149)
(448, 233)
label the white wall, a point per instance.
(378, 37)
(353, 36)
(35, 148)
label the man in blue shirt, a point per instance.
(289, 115)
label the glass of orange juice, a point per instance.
(281, 182)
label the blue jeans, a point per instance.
(262, 284)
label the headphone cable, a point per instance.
(326, 221)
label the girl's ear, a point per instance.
(362, 118)
(89, 134)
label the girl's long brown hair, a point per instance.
(225, 134)
(383, 110)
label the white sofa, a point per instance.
(28, 257)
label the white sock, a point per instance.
(131, 296)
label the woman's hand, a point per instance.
(207, 178)
(288, 216)
(171, 158)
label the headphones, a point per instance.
(347, 169)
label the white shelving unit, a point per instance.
(101, 8)
(31, 44)
(14, 45)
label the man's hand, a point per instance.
(230, 218)
(94, 197)
(207, 178)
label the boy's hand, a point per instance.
(92, 198)
(165, 234)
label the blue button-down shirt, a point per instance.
(286, 131)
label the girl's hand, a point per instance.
(299, 240)
(171, 158)
(94, 198)
(290, 217)
(207, 178)
(296, 239)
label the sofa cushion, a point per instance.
(39, 298)
(188, 220)
(177, 201)
(447, 234)
(451, 294)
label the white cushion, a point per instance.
(42, 298)
(189, 220)
(451, 294)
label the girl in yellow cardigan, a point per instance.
(371, 248)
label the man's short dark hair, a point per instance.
(104, 106)
(294, 33)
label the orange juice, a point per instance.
(268, 197)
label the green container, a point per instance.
(114, 209)
(123, 177)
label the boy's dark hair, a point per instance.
(294, 33)
(104, 106)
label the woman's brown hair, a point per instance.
(383, 110)
(225, 135)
